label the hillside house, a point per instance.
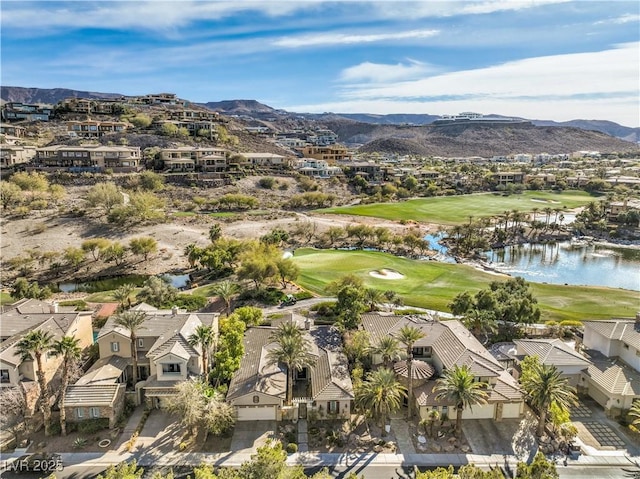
(12, 155)
(315, 168)
(98, 158)
(94, 128)
(258, 389)
(18, 111)
(446, 344)
(331, 154)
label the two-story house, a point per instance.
(27, 315)
(258, 388)
(164, 355)
(446, 344)
(613, 378)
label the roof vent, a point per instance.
(174, 310)
(53, 308)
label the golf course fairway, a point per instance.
(450, 210)
(432, 285)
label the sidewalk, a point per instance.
(324, 459)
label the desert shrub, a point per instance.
(292, 448)
(325, 309)
(267, 182)
(79, 304)
(79, 443)
(91, 426)
(188, 302)
(264, 295)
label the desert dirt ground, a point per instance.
(49, 230)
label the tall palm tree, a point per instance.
(123, 294)
(205, 337)
(294, 353)
(132, 320)
(389, 348)
(71, 352)
(31, 347)
(380, 395)
(226, 290)
(287, 329)
(372, 297)
(408, 335)
(545, 386)
(458, 386)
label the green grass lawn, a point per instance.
(432, 285)
(5, 298)
(457, 209)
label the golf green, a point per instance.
(432, 285)
(458, 209)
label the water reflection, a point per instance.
(570, 263)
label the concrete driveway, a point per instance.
(250, 435)
(509, 436)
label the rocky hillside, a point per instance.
(47, 95)
(485, 140)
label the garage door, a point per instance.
(256, 413)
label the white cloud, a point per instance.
(334, 38)
(605, 72)
(451, 8)
(149, 14)
(627, 18)
(381, 73)
(584, 85)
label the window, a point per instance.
(445, 411)
(302, 374)
(115, 347)
(256, 399)
(79, 412)
(333, 407)
(140, 343)
(94, 412)
(4, 376)
(171, 368)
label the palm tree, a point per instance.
(205, 337)
(123, 294)
(432, 416)
(294, 352)
(31, 348)
(287, 329)
(389, 348)
(372, 297)
(634, 412)
(458, 386)
(132, 320)
(225, 290)
(480, 323)
(380, 395)
(68, 348)
(545, 386)
(408, 335)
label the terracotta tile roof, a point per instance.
(613, 375)
(551, 351)
(92, 395)
(625, 330)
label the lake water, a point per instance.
(570, 263)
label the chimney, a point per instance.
(174, 310)
(307, 324)
(637, 317)
(53, 307)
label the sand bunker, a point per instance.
(386, 274)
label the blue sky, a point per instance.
(544, 59)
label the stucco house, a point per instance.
(446, 344)
(258, 388)
(165, 358)
(613, 378)
(27, 315)
(556, 353)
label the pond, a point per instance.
(570, 262)
(179, 281)
(442, 250)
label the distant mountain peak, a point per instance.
(239, 106)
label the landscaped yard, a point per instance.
(432, 285)
(457, 209)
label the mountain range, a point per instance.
(406, 133)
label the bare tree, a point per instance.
(14, 410)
